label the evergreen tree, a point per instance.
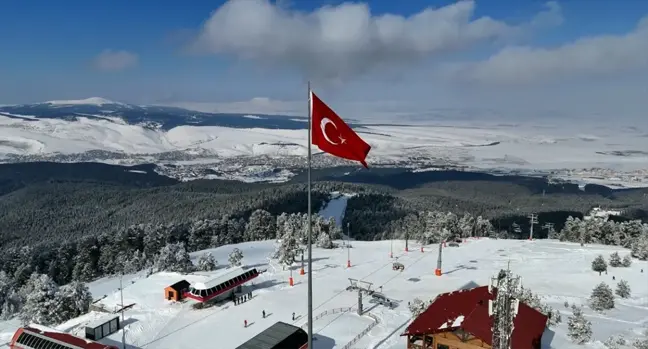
(288, 246)
(623, 289)
(417, 306)
(615, 342)
(579, 328)
(602, 297)
(599, 264)
(40, 303)
(72, 300)
(207, 262)
(615, 260)
(627, 261)
(261, 226)
(174, 257)
(235, 258)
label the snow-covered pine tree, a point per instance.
(6, 286)
(174, 257)
(261, 226)
(623, 289)
(417, 306)
(206, 262)
(640, 247)
(40, 303)
(72, 300)
(289, 247)
(627, 261)
(324, 241)
(602, 297)
(640, 343)
(615, 342)
(579, 328)
(615, 260)
(235, 258)
(599, 264)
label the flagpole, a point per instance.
(310, 228)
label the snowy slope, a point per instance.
(88, 101)
(558, 271)
(491, 146)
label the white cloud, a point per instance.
(109, 60)
(336, 42)
(597, 56)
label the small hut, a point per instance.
(175, 291)
(102, 327)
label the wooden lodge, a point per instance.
(460, 320)
(176, 291)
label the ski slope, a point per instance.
(557, 271)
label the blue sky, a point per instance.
(159, 51)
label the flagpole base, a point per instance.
(421, 248)
(391, 255)
(437, 272)
(348, 263)
(301, 271)
(406, 249)
(291, 281)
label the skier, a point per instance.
(263, 313)
(613, 278)
(245, 323)
(293, 316)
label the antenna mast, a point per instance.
(504, 308)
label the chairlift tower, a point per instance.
(533, 219)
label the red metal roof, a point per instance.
(70, 339)
(468, 310)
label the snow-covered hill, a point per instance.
(560, 272)
(96, 129)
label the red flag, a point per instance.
(334, 136)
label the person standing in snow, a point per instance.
(245, 323)
(293, 316)
(263, 313)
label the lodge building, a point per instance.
(461, 320)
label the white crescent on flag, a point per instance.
(323, 127)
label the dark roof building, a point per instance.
(41, 338)
(278, 336)
(180, 285)
(466, 312)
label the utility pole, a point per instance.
(533, 219)
(348, 246)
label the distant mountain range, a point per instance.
(149, 116)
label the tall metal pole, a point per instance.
(348, 246)
(121, 291)
(310, 226)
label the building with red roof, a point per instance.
(460, 320)
(38, 337)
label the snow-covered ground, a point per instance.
(487, 146)
(558, 271)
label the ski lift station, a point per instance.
(222, 287)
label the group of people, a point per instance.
(242, 298)
(263, 315)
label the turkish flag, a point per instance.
(334, 136)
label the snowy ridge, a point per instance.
(88, 101)
(521, 148)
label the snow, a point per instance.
(336, 207)
(88, 101)
(555, 270)
(489, 146)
